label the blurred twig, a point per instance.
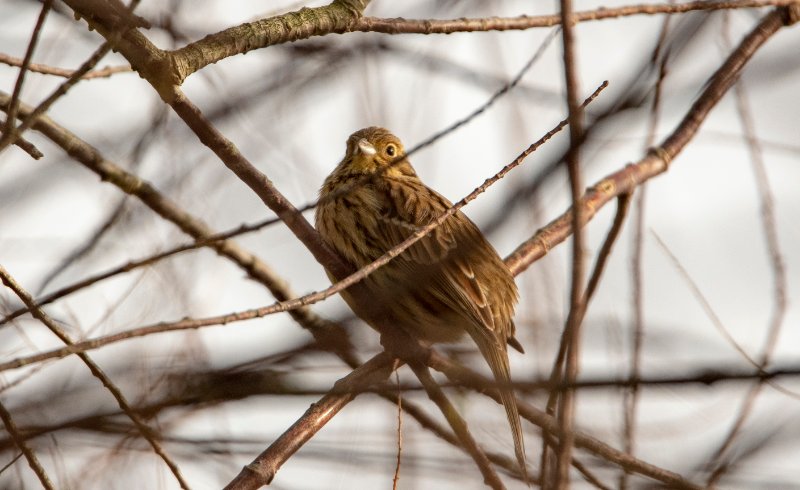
(630, 399)
(716, 464)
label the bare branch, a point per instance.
(263, 469)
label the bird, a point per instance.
(449, 283)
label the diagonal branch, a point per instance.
(263, 469)
(659, 158)
(19, 440)
(23, 69)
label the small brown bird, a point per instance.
(449, 282)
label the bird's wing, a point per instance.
(443, 258)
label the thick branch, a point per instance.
(302, 24)
(263, 469)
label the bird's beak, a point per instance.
(366, 147)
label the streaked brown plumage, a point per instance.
(449, 282)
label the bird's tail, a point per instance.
(496, 356)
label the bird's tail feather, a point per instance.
(496, 356)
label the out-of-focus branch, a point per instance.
(718, 463)
(62, 72)
(19, 440)
(149, 434)
(630, 398)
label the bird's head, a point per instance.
(372, 149)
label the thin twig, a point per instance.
(524, 22)
(630, 399)
(506, 88)
(23, 69)
(701, 298)
(25, 145)
(114, 215)
(62, 72)
(396, 477)
(712, 315)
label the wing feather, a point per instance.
(454, 243)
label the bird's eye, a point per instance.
(391, 150)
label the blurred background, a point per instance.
(716, 248)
